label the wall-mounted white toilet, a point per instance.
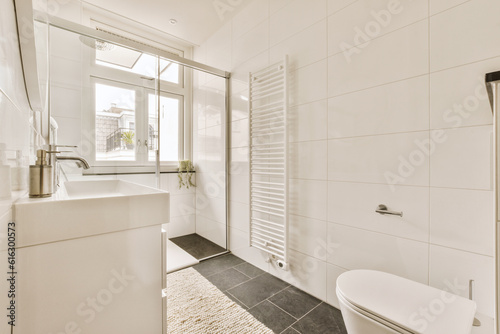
(374, 302)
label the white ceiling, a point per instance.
(196, 19)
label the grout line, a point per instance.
(379, 37)
(404, 132)
(460, 250)
(385, 184)
(290, 327)
(447, 9)
(464, 64)
(248, 308)
(263, 272)
(220, 272)
(281, 309)
(378, 232)
(378, 85)
(341, 9)
(315, 307)
(274, 294)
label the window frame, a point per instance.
(93, 73)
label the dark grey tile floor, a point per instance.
(278, 305)
(197, 246)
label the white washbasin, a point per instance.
(106, 188)
(84, 208)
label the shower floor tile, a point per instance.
(197, 246)
(278, 305)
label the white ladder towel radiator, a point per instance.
(268, 149)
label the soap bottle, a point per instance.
(19, 173)
(41, 176)
(5, 177)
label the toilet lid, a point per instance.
(411, 305)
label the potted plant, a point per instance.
(128, 139)
(185, 174)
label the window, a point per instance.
(126, 110)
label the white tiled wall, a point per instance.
(14, 128)
(371, 87)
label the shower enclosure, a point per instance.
(135, 109)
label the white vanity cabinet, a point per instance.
(104, 284)
(91, 260)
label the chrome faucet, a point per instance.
(80, 162)
(54, 161)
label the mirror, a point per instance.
(34, 44)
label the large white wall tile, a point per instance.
(211, 185)
(65, 44)
(464, 34)
(295, 17)
(454, 268)
(304, 48)
(239, 161)
(354, 204)
(239, 106)
(219, 48)
(463, 219)
(251, 43)
(210, 208)
(459, 97)
(182, 205)
(398, 107)
(308, 236)
(239, 133)
(14, 125)
(387, 159)
(307, 160)
(179, 226)
(239, 244)
(67, 73)
(69, 131)
(366, 20)
(239, 216)
(308, 121)
(239, 72)
(305, 272)
(66, 102)
(308, 198)
(361, 249)
(308, 84)
(399, 55)
(239, 188)
(212, 230)
(463, 159)
(253, 14)
(215, 102)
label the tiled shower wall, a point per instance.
(388, 107)
(209, 105)
(14, 128)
